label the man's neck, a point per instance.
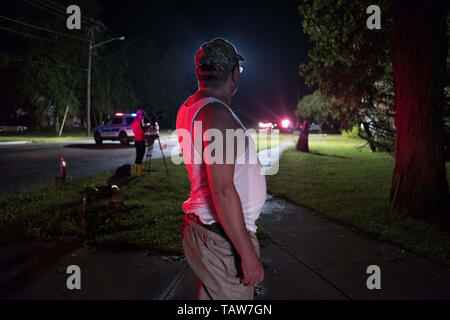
(208, 92)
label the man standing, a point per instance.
(226, 198)
(139, 140)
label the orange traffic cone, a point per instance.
(62, 172)
(164, 144)
(62, 169)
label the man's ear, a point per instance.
(235, 75)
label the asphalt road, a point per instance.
(32, 165)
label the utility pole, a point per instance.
(92, 46)
(88, 104)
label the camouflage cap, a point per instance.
(216, 57)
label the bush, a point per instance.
(352, 133)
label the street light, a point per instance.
(104, 42)
(91, 47)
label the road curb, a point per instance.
(15, 142)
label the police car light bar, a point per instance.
(265, 125)
(119, 114)
(133, 114)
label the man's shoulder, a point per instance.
(215, 109)
(218, 116)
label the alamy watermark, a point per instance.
(74, 280)
(374, 280)
(73, 22)
(235, 147)
(374, 20)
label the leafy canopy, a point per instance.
(314, 108)
(348, 62)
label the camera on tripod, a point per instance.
(152, 127)
(151, 135)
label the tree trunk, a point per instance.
(95, 118)
(57, 125)
(418, 55)
(366, 126)
(302, 144)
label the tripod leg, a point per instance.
(164, 159)
(148, 157)
(146, 162)
(150, 151)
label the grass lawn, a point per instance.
(348, 184)
(46, 136)
(268, 141)
(151, 219)
(352, 185)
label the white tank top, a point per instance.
(249, 179)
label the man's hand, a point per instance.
(253, 271)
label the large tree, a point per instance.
(47, 71)
(349, 61)
(311, 108)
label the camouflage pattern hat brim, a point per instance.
(216, 57)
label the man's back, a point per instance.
(249, 181)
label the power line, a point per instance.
(26, 34)
(52, 7)
(52, 10)
(61, 9)
(54, 4)
(55, 12)
(46, 10)
(40, 28)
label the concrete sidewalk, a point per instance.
(313, 257)
(310, 257)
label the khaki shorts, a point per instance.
(215, 262)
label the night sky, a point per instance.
(267, 34)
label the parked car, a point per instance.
(283, 124)
(116, 128)
(313, 128)
(9, 128)
(267, 125)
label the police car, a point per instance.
(116, 128)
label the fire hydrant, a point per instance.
(116, 203)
